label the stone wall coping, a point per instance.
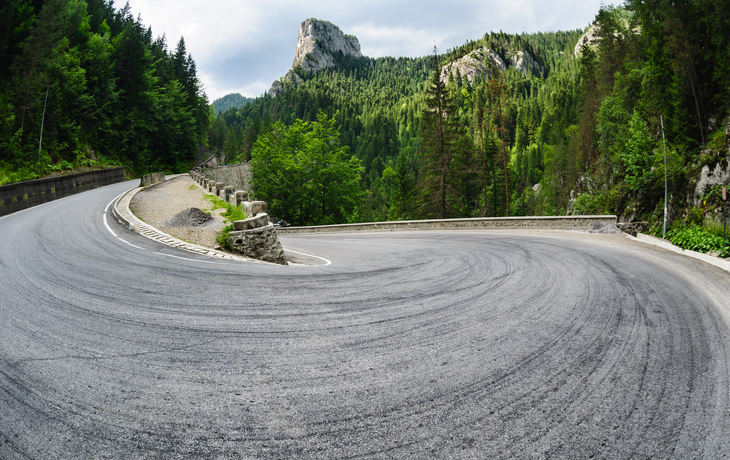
(535, 222)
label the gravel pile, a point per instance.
(190, 217)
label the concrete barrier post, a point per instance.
(241, 196)
(228, 191)
(257, 207)
(146, 181)
(262, 220)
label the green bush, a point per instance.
(590, 204)
(700, 239)
(222, 238)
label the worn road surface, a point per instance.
(460, 344)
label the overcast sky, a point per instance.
(243, 46)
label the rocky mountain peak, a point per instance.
(317, 45)
(319, 41)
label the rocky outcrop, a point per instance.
(482, 60)
(711, 177)
(278, 85)
(523, 61)
(318, 43)
(590, 38)
(478, 62)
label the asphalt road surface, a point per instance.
(460, 344)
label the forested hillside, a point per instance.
(101, 87)
(233, 100)
(380, 104)
(586, 137)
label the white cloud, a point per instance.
(243, 46)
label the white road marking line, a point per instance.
(108, 227)
(125, 241)
(185, 258)
(310, 255)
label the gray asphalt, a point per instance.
(461, 344)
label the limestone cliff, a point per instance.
(317, 45)
(590, 38)
(481, 60)
(478, 62)
(523, 61)
(319, 41)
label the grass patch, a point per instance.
(193, 187)
(222, 238)
(231, 214)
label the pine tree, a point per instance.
(438, 135)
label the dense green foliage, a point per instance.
(103, 90)
(305, 175)
(700, 239)
(233, 100)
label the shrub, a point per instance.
(700, 239)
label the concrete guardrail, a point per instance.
(22, 195)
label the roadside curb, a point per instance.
(125, 216)
(654, 241)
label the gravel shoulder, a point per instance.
(158, 204)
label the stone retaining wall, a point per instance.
(22, 195)
(237, 176)
(540, 222)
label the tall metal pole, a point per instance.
(664, 232)
(724, 215)
(43, 119)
